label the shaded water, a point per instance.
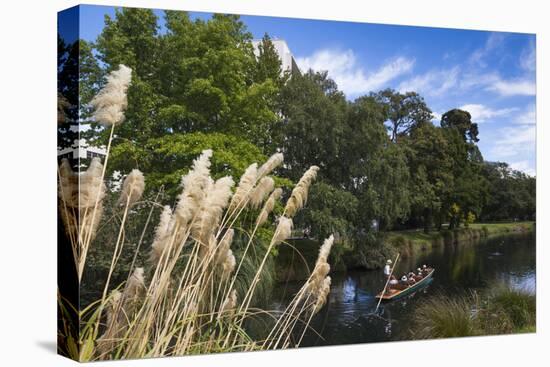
(348, 316)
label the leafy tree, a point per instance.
(269, 63)
(512, 194)
(403, 110)
(461, 121)
(330, 211)
(175, 153)
(431, 169)
(313, 126)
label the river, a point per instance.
(348, 315)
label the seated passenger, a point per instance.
(418, 276)
(411, 281)
(426, 270)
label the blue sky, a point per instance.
(490, 74)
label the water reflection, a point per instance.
(348, 316)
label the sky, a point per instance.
(489, 74)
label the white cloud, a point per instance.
(524, 166)
(494, 40)
(432, 83)
(493, 82)
(482, 113)
(522, 87)
(527, 117)
(342, 66)
(514, 141)
(527, 59)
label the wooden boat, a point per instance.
(392, 294)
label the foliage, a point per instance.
(331, 211)
(403, 111)
(166, 158)
(199, 85)
(504, 310)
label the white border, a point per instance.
(28, 206)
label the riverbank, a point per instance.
(295, 262)
(410, 241)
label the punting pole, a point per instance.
(387, 282)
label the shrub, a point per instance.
(444, 317)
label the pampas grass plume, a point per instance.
(262, 189)
(268, 207)
(162, 232)
(283, 231)
(246, 185)
(273, 162)
(194, 185)
(298, 198)
(132, 188)
(111, 101)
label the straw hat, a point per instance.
(388, 262)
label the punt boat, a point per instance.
(392, 294)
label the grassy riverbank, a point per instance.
(410, 241)
(504, 310)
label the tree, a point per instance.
(166, 159)
(198, 76)
(269, 63)
(330, 211)
(313, 126)
(512, 194)
(377, 171)
(430, 163)
(403, 111)
(461, 121)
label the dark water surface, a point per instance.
(348, 316)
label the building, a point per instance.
(80, 150)
(288, 63)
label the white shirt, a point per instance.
(387, 270)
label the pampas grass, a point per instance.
(194, 307)
(270, 165)
(111, 101)
(194, 185)
(162, 232)
(81, 217)
(245, 187)
(264, 187)
(210, 214)
(132, 188)
(268, 206)
(183, 300)
(299, 195)
(81, 206)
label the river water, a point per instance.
(348, 316)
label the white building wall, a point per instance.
(286, 57)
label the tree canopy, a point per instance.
(199, 84)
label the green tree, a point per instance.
(403, 111)
(198, 76)
(461, 121)
(269, 63)
(430, 164)
(314, 114)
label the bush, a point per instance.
(519, 306)
(444, 317)
(505, 310)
